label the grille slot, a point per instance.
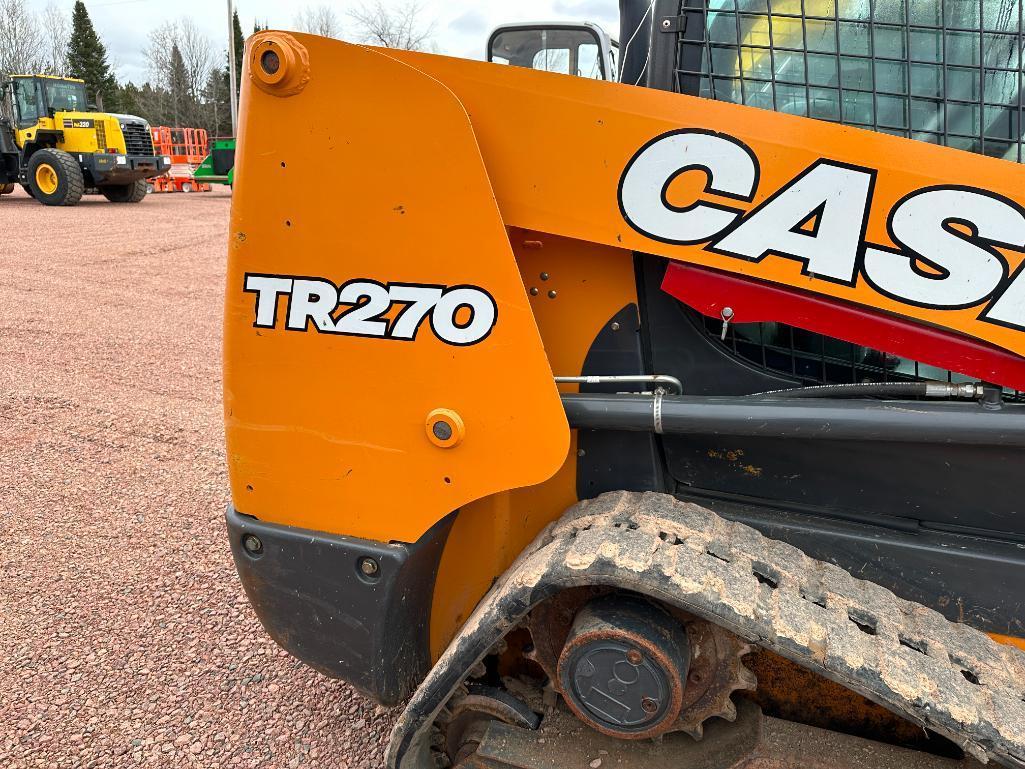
(101, 136)
(138, 140)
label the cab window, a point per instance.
(566, 51)
(28, 102)
(64, 96)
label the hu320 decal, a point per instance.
(457, 315)
(946, 237)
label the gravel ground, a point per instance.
(125, 637)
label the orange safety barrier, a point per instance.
(187, 148)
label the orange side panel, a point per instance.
(340, 181)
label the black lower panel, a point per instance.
(613, 461)
(967, 579)
(313, 598)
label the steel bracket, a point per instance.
(673, 23)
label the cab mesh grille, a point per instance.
(942, 71)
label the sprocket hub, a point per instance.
(716, 669)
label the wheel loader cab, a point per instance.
(585, 50)
(38, 99)
(55, 144)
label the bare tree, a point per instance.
(22, 47)
(158, 101)
(197, 53)
(56, 35)
(180, 60)
(318, 21)
(402, 26)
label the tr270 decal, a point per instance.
(457, 315)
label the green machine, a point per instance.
(219, 166)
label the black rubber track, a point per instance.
(904, 656)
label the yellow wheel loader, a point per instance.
(640, 424)
(56, 146)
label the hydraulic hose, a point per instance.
(927, 389)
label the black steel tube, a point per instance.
(635, 32)
(897, 421)
(661, 68)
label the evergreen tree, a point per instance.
(87, 59)
(217, 108)
(178, 85)
(128, 99)
(154, 104)
(240, 47)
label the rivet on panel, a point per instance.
(252, 544)
(445, 428)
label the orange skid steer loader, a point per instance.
(625, 426)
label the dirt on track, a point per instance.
(125, 637)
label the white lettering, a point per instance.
(731, 171)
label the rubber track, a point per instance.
(949, 677)
(943, 675)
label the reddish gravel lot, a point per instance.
(125, 637)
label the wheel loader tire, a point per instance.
(28, 190)
(55, 178)
(6, 189)
(125, 193)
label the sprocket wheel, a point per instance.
(716, 671)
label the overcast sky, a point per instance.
(462, 26)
